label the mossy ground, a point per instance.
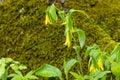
(25, 37)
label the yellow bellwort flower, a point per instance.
(92, 68)
(100, 64)
(47, 20)
(68, 43)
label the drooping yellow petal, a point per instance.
(68, 42)
(92, 68)
(47, 20)
(100, 64)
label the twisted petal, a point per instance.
(68, 43)
(47, 20)
(100, 64)
(92, 68)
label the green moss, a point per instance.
(25, 37)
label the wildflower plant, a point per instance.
(47, 70)
(113, 61)
(96, 58)
(96, 63)
(52, 17)
(70, 29)
(7, 64)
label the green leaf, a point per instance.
(17, 76)
(115, 56)
(62, 15)
(19, 73)
(94, 62)
(69, 65)
(116, 69)
(2, 66)
(15, 67)
(8, 60)
(78, 77)
(81, 37)
(87, 77)
(110, 60)
(69, 23)
(116, 53)
(12, 75)
(48, 71)
(30, 75)
(83, 12)
(77, 49)
(51, 12)
(4, 76)
(72, 11)
(80, 11)
(22, 67)
(100, 74)
(92, 51)
(87, 52)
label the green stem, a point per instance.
(78, 57)
(60, 78)
(80, 63)
(66, 77)
(57, 9)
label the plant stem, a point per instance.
(80, 63)
(66, 77)
(60, 78)
(78, 58)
